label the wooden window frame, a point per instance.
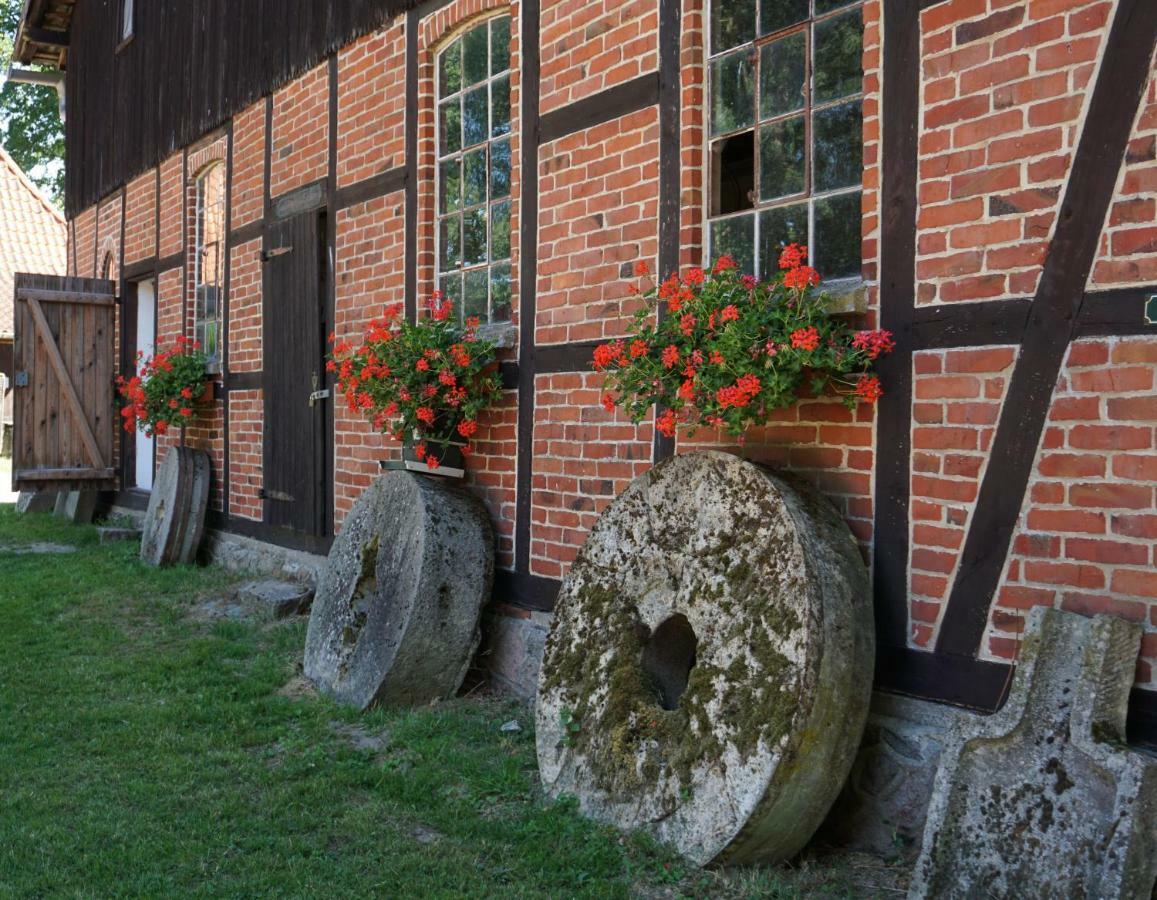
(483, 21)
(711, 141)
(126, 23)
(216, 167)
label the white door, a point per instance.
(146, 344)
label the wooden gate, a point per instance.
(64, 415)
(297, 430)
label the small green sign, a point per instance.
(1151, 310)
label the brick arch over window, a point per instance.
(436, 32)
(107, 255)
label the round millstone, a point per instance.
(709, 669)
(175, 521)
(395, 621)
(192, 529)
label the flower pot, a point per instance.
(206, 396)
(451, 462)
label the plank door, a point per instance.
(64, 412)
(297, 432)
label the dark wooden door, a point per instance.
(64, 414)
(297, 431)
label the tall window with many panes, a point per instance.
(209, 259)
(786, 132)
(473, 195)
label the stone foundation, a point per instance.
(513, 641)
(884, 803)
(238, 553)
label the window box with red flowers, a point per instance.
(731, 349)
(424, 383)
(167, 390)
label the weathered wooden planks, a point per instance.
(64, 359)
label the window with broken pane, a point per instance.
(473, 183)
(786, 132)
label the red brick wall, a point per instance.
(172, 206)
(958, 395)
(246, 417)
(300, 132)
(1004, 90)
(141, 218)
(598, 214)
(372, 105)
(108, 238)
(1129, 242)
(589, 47)
(248, 200)
(1087, 536)
(491, 471)
(170, 300)
(245, 311)
(370, 277)
(584, 457)
(82, 254)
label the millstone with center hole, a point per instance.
(175, 521)
(395, 620)
(708, 673)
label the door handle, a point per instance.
(317, 394)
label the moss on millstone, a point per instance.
(628, 739)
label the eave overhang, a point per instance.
(43, 36)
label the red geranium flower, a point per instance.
(805, 338)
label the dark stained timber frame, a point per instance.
(899, 141)
(1052, 322)
(1043, 326)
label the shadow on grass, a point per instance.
(146, 753)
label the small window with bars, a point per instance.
(474, 168)
(209, 260)
(786, 133)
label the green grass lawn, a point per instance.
(146, 752)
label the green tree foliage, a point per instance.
(30, 126)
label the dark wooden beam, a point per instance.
(959, 681)
(138, 270)
(1116, 312)
(244, 381)
(226, 317)
(380, 185)
(247, 233)
(605, 106)
(411, 262)
(527, 591)
(670, 168)
(530, 127)
(1052, 322)
(982, 324)
(46, 38)
(574, 357)
(172, 261)
(899, 144)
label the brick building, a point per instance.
(978, 176)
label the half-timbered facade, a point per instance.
(977, 176)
